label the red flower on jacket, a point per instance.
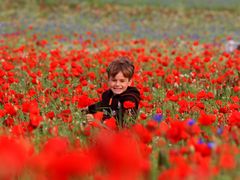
(128, 104)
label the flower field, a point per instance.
(187, 127)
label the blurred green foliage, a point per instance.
(206, 4)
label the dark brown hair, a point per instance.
(121, 64)
(238, 47)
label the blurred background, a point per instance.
(205, 20)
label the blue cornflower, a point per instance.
(191, 122)
(157, 117)
(211, 145)
(219, 130)
(200, 141)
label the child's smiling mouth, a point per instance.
(117, 89)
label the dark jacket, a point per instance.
(112, 105)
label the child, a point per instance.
(121, 100)
(231, 46)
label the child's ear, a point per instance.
(130, 82)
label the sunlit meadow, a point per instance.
(52, 64)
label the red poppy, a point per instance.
(50, 114)
(98, 116)
(143, 116)
(111, 123)
(35, 120)
(119, 153)
(56, 146)
(10, 109)
(234, 119)
(7, 66)
(174, 98)
(176, 132)
(84, 101)
(9, 122)
(152, 125)
(227, 161)
(206, 119)
(19, 129)
(201, 95)
(33, 108)
(2, 113)
(236, 89)
(26, 107)
(42, 43)
(13, 156)
(184, 106)
(54, 130)
(91, 76)
(71, 165)
(223, 110)
(203, 149)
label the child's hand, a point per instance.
(89, 117)
(84, 110)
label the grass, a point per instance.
(111, 20)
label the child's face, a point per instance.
(119, 83)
